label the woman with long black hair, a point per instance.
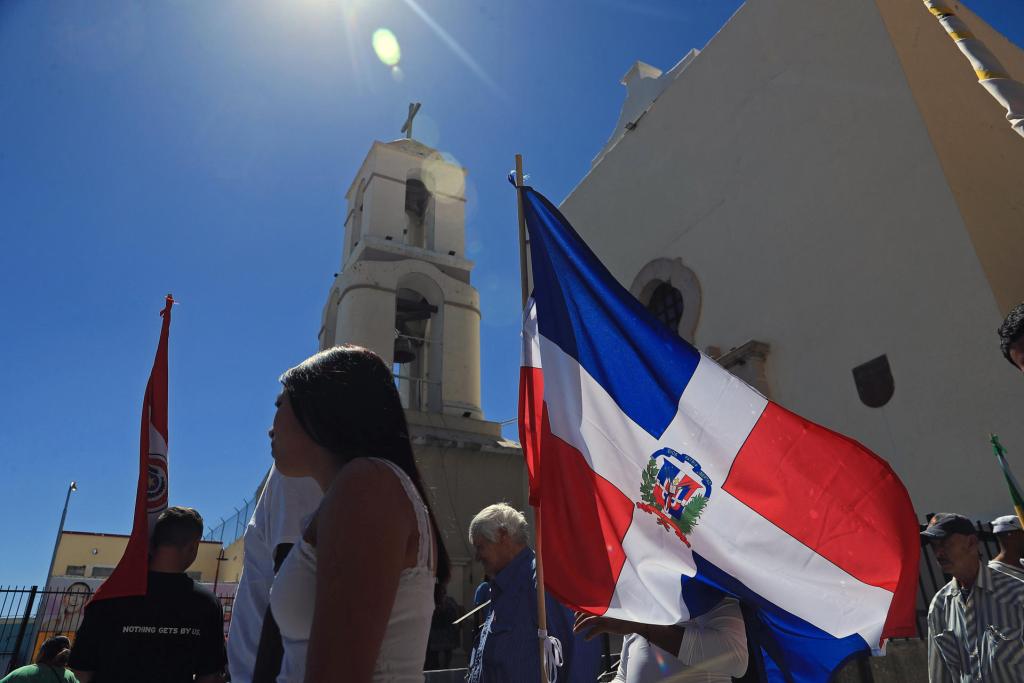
(355, 597)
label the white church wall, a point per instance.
(385, 171)
(449, 224)
(460, 482)
(329, 320)
(462, 369)
(384, 208)
(362, 300)
(367, 311)
(789, 168)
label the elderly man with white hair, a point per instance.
(506, 650)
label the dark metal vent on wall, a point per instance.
(875, 385)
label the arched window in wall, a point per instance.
(671, 292)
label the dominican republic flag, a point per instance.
(130, 576)
(664, 482)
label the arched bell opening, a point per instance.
(418, 351)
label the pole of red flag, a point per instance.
(130, 575)
(524, 283)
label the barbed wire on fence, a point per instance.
(229, 530)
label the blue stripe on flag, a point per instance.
(794, 650)
(586, 312)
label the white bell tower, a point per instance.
(403, 289)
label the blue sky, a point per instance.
(203, 148)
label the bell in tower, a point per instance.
(417, 385)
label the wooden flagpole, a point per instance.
(524, 281)
(524, 284)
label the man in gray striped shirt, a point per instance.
(976, 621)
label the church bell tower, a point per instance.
(404, 286)
(404, 291)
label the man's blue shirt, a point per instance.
(482, 595)
(507, 649)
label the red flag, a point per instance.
(129, 577)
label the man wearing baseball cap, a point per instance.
(1011, 541)
(976, 621)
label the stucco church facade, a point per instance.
(826, 200)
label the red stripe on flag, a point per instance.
(838, 498)
(582, 526)
(531, 408)
(130, 575)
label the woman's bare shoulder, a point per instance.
(363, 483)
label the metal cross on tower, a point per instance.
(414, 107)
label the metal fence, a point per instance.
(231, 529)
(30, 615)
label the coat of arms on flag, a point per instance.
(674, 489)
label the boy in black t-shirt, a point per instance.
(171, 634)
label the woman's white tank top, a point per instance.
(293, 598)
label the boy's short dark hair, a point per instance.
(177, 526)
(1011, 330)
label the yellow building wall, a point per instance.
(231, 567)
(206, 561)
(91, 550)
(61, 608)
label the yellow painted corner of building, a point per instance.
(93, 555)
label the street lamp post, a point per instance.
(60, 532)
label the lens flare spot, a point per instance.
(386, 46)
(397, 74)
(447, 179)
(661, 661)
